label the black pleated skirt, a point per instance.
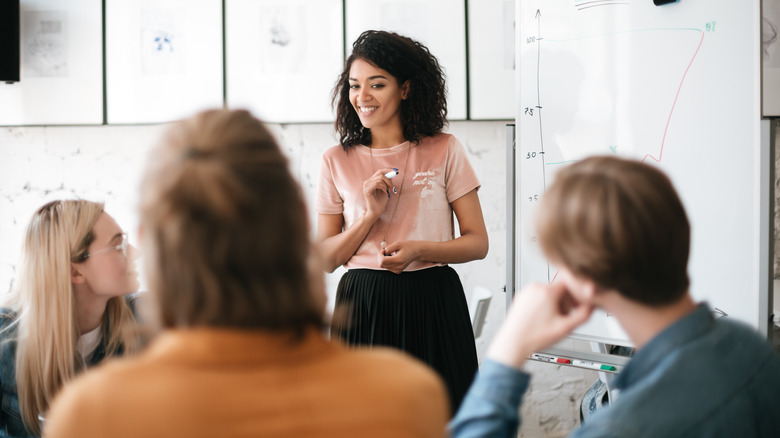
(423, 313)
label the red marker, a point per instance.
(548, 358)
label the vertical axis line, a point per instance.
(539, 107)
(539, 94)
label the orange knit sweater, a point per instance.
(230, 383)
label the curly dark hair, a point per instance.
(423, 113)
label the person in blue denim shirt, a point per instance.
(619, 234)
(69, 311)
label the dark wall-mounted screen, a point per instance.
(9, 40)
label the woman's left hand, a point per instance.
(398, 255)
(472, 244)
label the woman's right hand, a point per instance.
(339, 243)
(376, 191)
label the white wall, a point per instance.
(104, 163)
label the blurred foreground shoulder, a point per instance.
(405, 386)
(76, 406)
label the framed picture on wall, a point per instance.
(61, 68)
(163, 59)
(283, 57)
(439, 24)
(492, 59)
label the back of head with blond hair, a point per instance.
(225, 228)
(621, 223)
(42, 303)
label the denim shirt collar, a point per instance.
(683, 331)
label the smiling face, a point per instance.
(108, 273)
(376, 96)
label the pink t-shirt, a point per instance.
(438, 172)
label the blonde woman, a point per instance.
(242, 354)
(68, 311)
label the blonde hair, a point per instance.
(58, 234)
(621, 223)
(226, 238)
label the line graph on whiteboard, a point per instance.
(597, 107)
(676, 86)
(670, 82)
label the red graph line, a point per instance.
(663, 141)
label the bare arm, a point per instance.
(337, 245)
(472, 244)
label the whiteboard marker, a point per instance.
(392, 174)
(593, 365)
(551, 359)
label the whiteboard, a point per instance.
(439, 24)
(61, 65)
(677, 86)
(163, 59)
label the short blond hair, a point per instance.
(621, 223)
(226, 234)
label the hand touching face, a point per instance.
(540, 316)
